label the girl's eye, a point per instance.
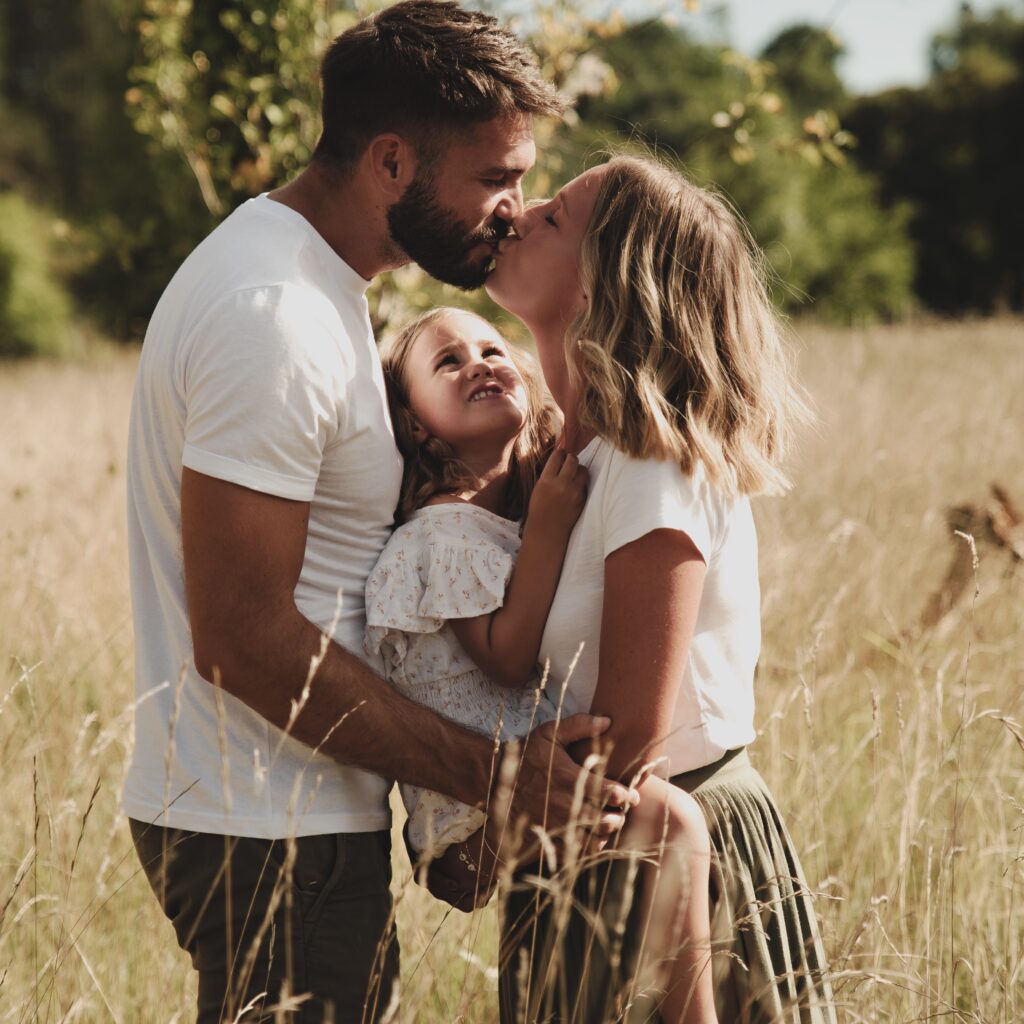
(446, 361)
(493, 350)
(550, 218)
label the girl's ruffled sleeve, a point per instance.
(424, 579)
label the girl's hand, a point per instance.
(559, 494)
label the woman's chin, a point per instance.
(492, 286)
(499, 288)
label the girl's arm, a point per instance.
(505, 643)
(652, 590)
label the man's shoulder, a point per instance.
(280, 306)
(257, 291)
(285, 328)
(261, 243)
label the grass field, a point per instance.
(895, 750)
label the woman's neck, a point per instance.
(551, 352)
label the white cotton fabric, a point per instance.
(449, 561)
(627, 499)
(259, 368)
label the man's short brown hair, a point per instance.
(424, 69)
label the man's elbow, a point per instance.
(218, 659)
(209, 666)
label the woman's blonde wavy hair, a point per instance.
(678, 354)
(431, 466)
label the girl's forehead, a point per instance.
(453, 328)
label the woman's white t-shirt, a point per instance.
(627, 499)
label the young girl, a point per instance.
(658, 342)
(458, 601)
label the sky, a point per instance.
(886, 40)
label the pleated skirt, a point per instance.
(570, 958)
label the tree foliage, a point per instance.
(804, 61)
(34, 310)
(71, 147)
(230, 86)
(141, 123)
(763, 139)
(953, 150)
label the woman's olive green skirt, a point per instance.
(570, 959)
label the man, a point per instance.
(262, 480)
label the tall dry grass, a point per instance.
(896, 752)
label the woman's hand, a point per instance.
(559, 494)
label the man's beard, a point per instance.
(435, 238)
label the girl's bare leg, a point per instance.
(669, 830)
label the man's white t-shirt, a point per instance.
(627, 499)
(259, 368)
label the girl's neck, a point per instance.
(491, 470)
(492, 496)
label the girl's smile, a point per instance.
(490, 389)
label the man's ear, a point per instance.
(392, 164)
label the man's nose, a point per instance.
(522, 222)
(510, 205)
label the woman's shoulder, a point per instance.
(637, 475)
(632, 471)
(641, 494)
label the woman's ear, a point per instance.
(419, 435)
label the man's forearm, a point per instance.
(348, 712)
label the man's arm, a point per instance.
(243, 552)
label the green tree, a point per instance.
(731, 124)
(144, 122)
(34, 310)
(953, 150)
(803, 58)
(69, 145)
(231, 87)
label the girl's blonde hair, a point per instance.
(431, 466)
(678, 354)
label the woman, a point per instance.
(657, 340)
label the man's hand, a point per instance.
(544, 787)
